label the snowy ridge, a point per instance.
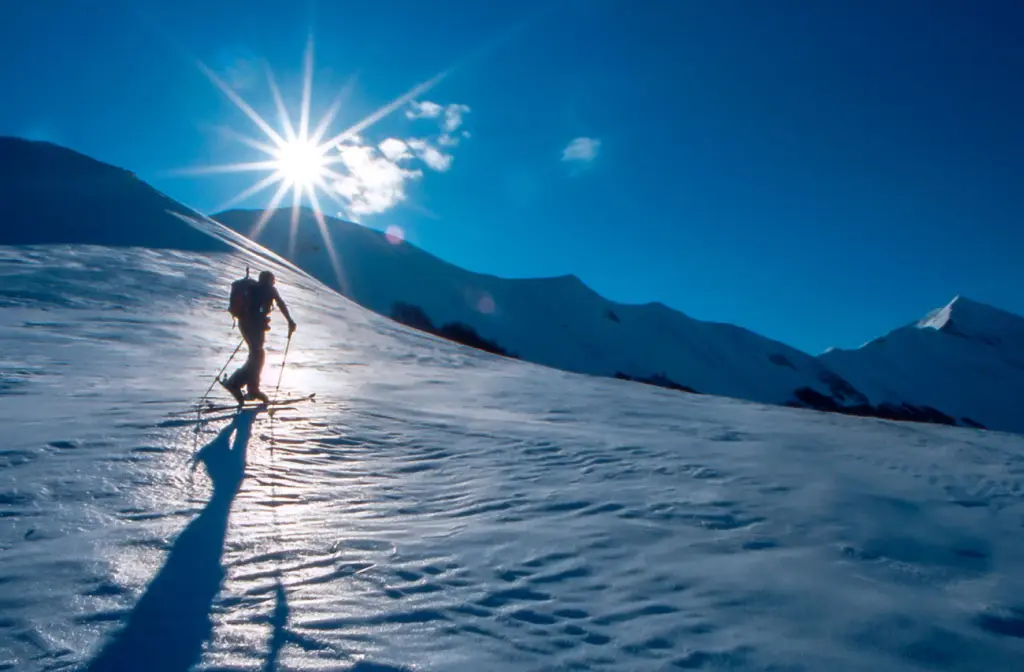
(50, 194)
(557, 322)
(965, 359)
(440, 508)
(979, 322)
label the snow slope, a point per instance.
(965, 359)
(558, 322)
(440, 508)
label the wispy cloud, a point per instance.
(423, 110)
(394, 149)
(581, 150)
(370, 182)
(375, 178)
(430, 155)
(450, 117)
(453, 117)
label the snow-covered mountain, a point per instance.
(557, 322)
(48, 191)
(965, 359)
(441, 508)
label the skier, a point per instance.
(250, 303)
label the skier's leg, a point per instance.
(259, 357)
(240, 377)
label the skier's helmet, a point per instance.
(266, 278)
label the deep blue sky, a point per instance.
(819, 172)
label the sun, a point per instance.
(298, 158)
(302, 163)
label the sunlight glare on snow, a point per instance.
(395, 234)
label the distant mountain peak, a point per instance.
(972, 319)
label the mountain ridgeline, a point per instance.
(961, 365)
(948, 375)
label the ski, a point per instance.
(246, 406)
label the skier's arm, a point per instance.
(284, 311)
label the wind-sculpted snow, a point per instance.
(439, 508)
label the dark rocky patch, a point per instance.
(1009, 622)
(658, 379)
(809, 398)
(459, 332)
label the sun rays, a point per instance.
(299, 161)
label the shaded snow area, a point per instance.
(966, 359)
(440, 508)
(559, 322)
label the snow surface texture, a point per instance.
(966, 359)
(557, 322)
(440, 508)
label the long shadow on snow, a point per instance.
(281, 635)
(171, 621)
(278, 623)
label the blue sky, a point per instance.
(818, 172)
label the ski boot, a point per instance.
(257, 396)
(236, 392)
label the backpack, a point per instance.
(242, 303)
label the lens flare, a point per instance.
(486, 304)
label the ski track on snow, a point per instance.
(441, 509)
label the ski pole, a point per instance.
(217, 377)
(283, 360)
(277, 389)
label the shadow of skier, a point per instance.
(171, 621)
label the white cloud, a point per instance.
(424, 110)
(374, 178)
(581, 149)
(370, 183)
(453, 140)
(450, 116)
(430, 155)
(453, 117)
(395, 150)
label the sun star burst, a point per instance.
(299, 160)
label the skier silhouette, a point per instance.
(251, 303)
